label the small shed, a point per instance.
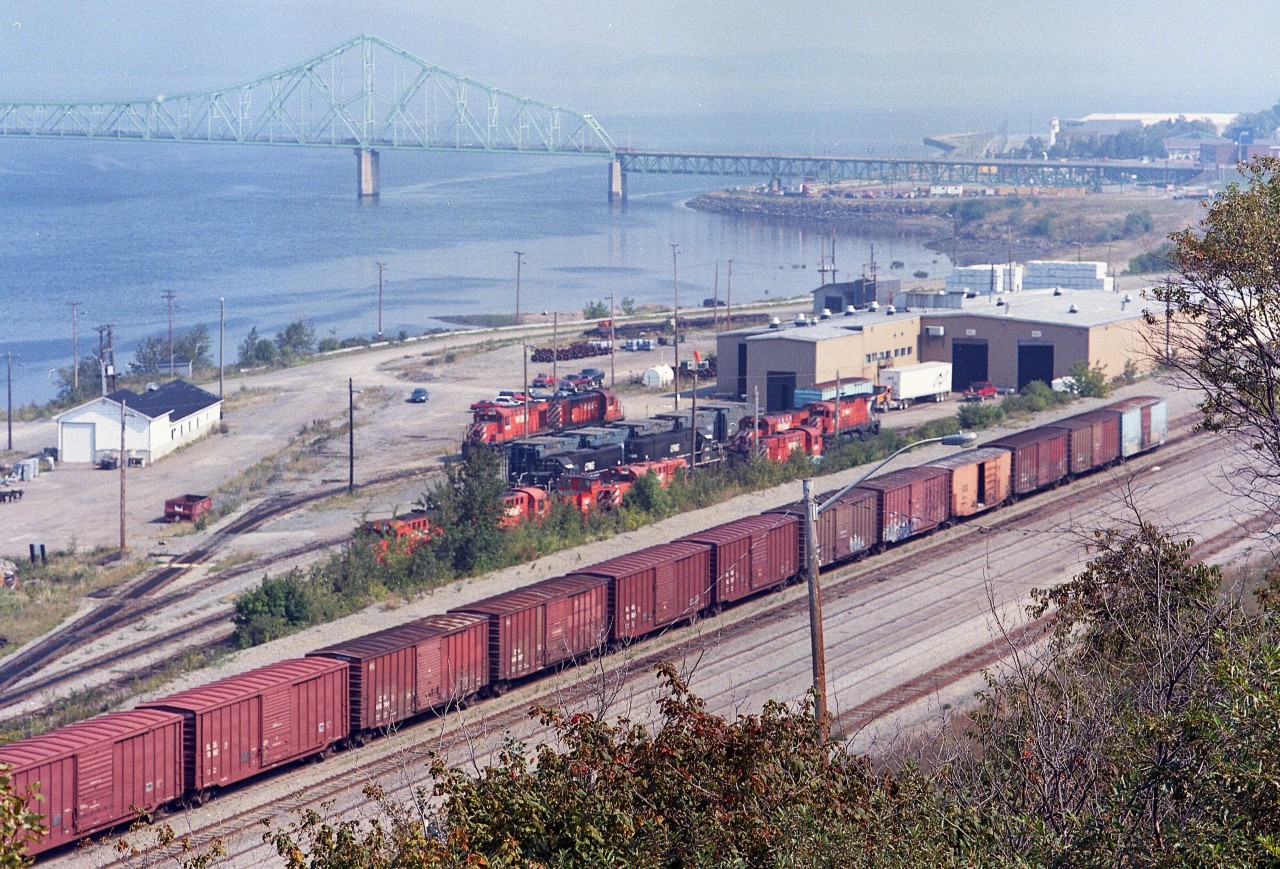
(156, 422)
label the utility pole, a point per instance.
(675, 320)
(75, 347)
(169, 296)
(613, 350)
(555, 347)
(351, 436)
(222, 334)
(728, 298)
(381, 266)
(818, 654)
(124, 463)
(9, 405)
(519, 257)
(715, 300)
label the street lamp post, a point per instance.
(812, 509)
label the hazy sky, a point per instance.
(974, 64)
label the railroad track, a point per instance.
(137, 598)
(757, 617)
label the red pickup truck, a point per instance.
(981, 390)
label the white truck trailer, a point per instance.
(924, 381)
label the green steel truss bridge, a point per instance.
(367, 95)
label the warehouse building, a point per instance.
(1013, 340)
(840, 297)
(156, 423)
(773, 361)
(1010, 340)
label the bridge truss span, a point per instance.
(364, 94)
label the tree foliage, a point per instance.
(191, 346)
(595, 310)
(1220, 330)
(21, 821)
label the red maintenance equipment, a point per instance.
(524, 504)
(187, 508)
(606, 490)
(403, 533)
(846, 418)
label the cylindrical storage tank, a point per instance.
(1093, 440)
(395, 674)
(1039, 457)
(911, 501)
(1144, 423)
(543, 624)
(260, 719)
(846, 529)
(655, 587)
(98, 773)
(751, 555)
(980, 479)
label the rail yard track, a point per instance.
(138, 598)
(873, 581)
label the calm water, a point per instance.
(279, 234)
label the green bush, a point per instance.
(978, 416)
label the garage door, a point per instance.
(77, 442)
(968, 364)
(1035, 362)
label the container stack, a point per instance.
(985, 278)
(830, 389)
(1067, 275)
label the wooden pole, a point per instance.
(817, 646)
(124, 463)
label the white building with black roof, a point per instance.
(156, 422)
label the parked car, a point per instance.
(496, 401)
(576, 382)
(418, 396)
(542, 380)
(595, 375)
(981, 390)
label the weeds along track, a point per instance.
(138, 598)
(745, 630)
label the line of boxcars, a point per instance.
(181, 748)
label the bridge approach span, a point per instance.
(904, 170)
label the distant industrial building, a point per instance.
(837, 298)
(1010, 339)
(772, 362)
(156, 423)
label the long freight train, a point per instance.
(181, 749)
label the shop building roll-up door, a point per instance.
(968, 364)
(1035, 362)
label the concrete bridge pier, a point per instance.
(366, 174)
(617, 181)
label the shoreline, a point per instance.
(981, 229)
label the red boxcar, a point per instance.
(980, 479)
(911, 501)
(655, 587)
(1039, 457)
(239, 726)
(543, 624)
(395, 674)
(750, 555)
(93, 773)
(1093, 440)
(846, 529)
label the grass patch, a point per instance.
(51, 592)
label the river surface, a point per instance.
(279, 234)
